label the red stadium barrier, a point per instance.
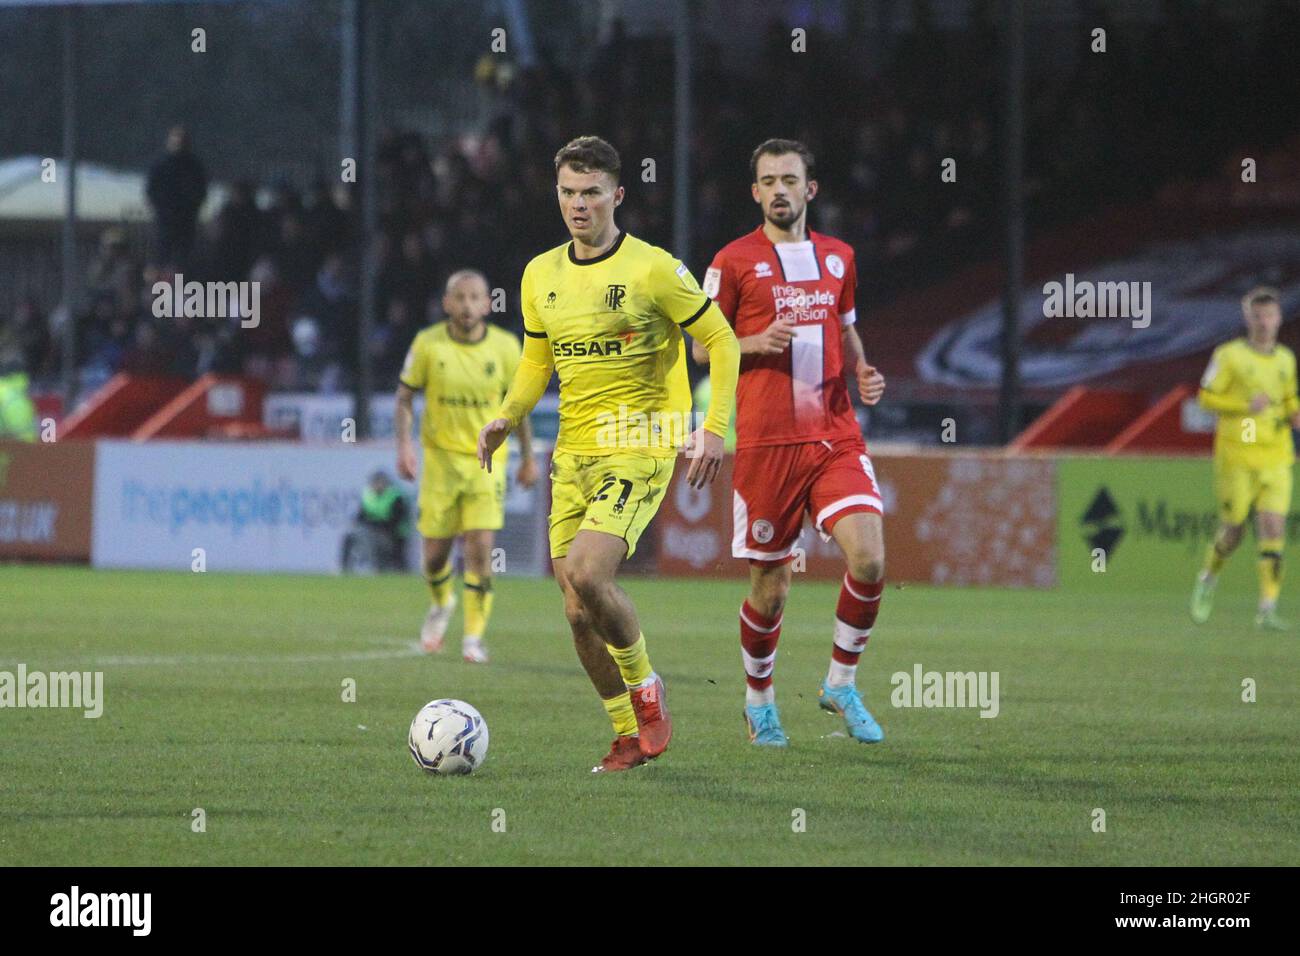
(1082, 418)
(215, 405)
(1168, 425)
(122, 405)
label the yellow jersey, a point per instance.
(613, 327)
(1236, 373)
(463, 383)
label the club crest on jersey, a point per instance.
(550, 301)
(712, 282)
(762, 530)
(835, 266)
(762, 269)
(614, 297)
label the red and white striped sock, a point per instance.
(758, 637)
(854, 617)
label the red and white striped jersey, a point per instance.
(799, 395)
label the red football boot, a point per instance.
(624, 754)
(652, 720)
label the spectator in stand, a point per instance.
(31, 337)
(326, 224)
(390, 342)
(147, 354)
(486, 196)
(114, 271)
(332, 307)
(106, 337)
(238, 233)
(268, 346)
(409, 274)
(176, 187)
(312, 370)
(296, 258)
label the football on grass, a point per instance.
(448, 737)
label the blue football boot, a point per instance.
(847, 702)
(765, 726)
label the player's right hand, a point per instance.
(705, 450)
(407, 462)
(774, 339)
(490, 439)
(1259, 401)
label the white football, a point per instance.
(448, 736)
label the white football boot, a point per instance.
(473, 650)
(435, 624)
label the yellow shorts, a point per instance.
(1237, 487)
(456, 495)
(617, 494)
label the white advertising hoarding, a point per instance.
(264, 506)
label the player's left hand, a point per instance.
(1295, 421)
(490, 439)
(705, 451)
(528, 473)
(871, 384)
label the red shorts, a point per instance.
(774, 485)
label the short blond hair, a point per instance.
(1260, 295)
(460, 274)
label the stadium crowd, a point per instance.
(487, 200)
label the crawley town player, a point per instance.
(606, 312)
(789, 293)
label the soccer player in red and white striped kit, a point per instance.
(789, 294)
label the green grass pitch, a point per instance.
(224, 692)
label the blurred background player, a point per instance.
(789, 293)
(1251, 385)
(464, 366)
(606, 310)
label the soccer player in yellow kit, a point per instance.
(1251, 384)
(606, 311)
(464, 366)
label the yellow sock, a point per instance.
(621, 714)
(478, 603)
(439, 584)
(633, 662)
(1270, 570)
(1214, 559)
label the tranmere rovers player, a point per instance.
(789, 292)
(1251, 384)
(464, 366)
(606, 312)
